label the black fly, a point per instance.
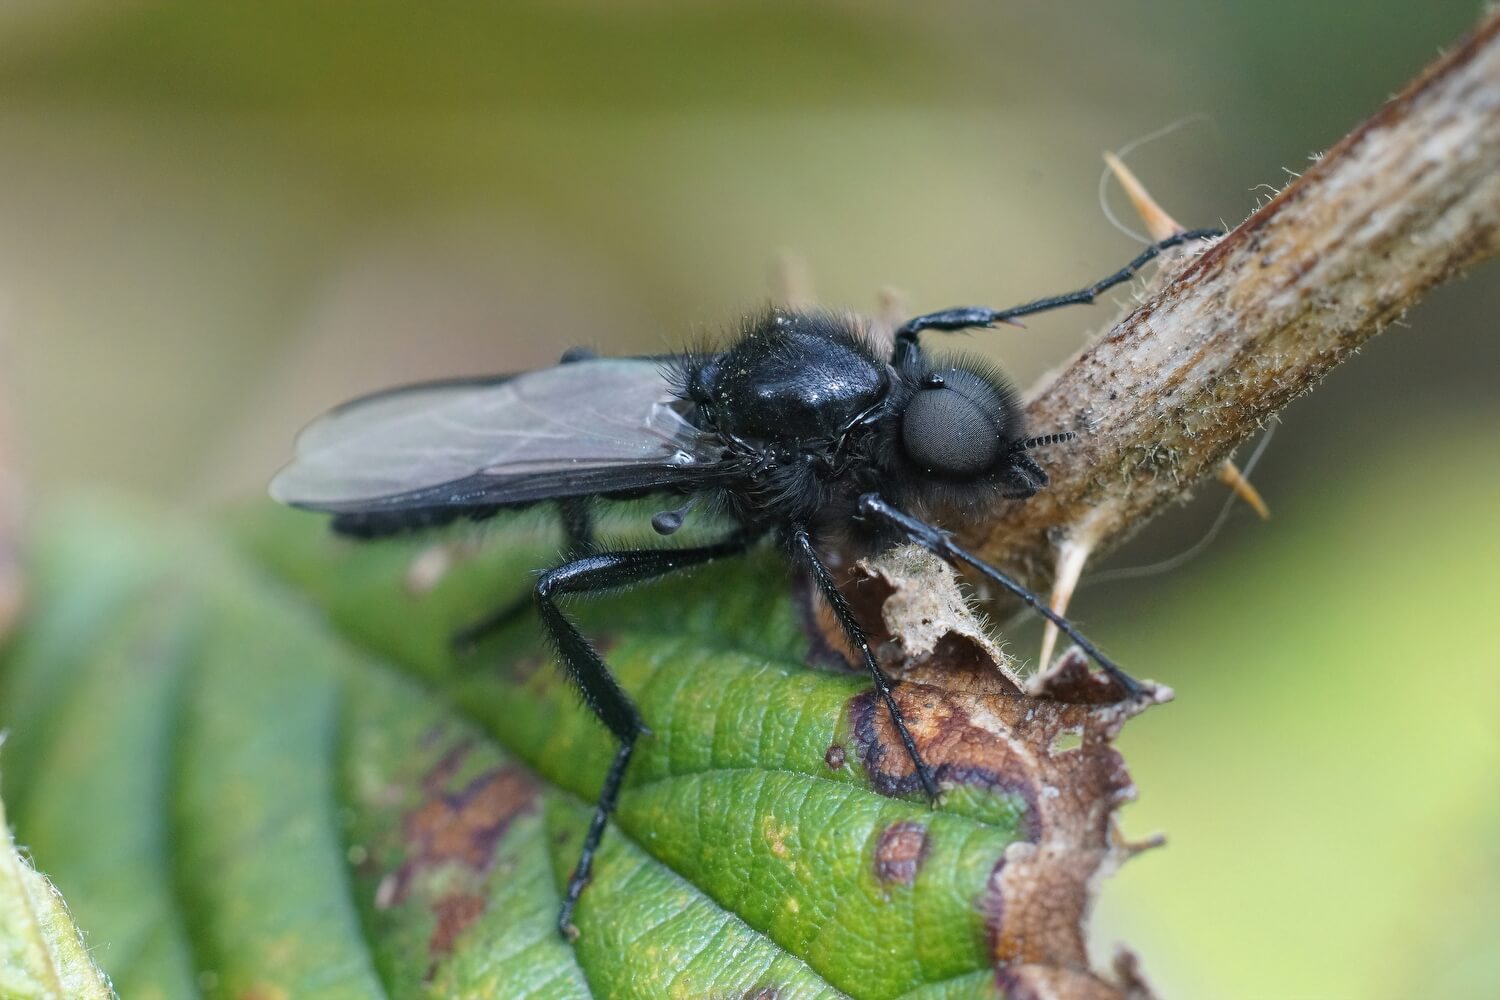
(800, 431)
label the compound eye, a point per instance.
(948, 433)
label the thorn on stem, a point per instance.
(1158, 223)
(1072, 555)
(1231, 476)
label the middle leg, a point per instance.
(803, 546)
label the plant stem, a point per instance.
(1406, 201)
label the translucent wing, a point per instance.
(596, 426)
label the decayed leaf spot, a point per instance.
(1043, 745)
(926, 617)
(456, 829)
(1041, 888)
(455, 913)
(900, 853)
(914, 614)
(464, 826)
(957, 750)
(834, 757)
(1071, 680)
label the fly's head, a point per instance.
(954, 435)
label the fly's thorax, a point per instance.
(790, 377)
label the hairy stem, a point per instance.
(1406, 201)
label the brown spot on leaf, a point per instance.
(834, 757)
(456, 830)
(963, 655)
(1072, 681)
(958, 751)
(1044, 745)
(465, 826)
(979, 733)
(455, 914)
(900, 853)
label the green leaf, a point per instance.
(259, 771)
(42, 953)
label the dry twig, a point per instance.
(1406, 201)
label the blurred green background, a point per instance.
(216, 220)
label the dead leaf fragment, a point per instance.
(1044, 743)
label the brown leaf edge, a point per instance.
(1047, 739)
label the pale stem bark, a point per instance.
(1408, 200)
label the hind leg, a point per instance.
(592, 677)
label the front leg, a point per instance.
(968, 317)
(874, 507)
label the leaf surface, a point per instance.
(259, 771)
(42, 952)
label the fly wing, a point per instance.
(596, 426)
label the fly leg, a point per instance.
(874, 507)
(802, 546)
(595, 684)
(966, 317)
